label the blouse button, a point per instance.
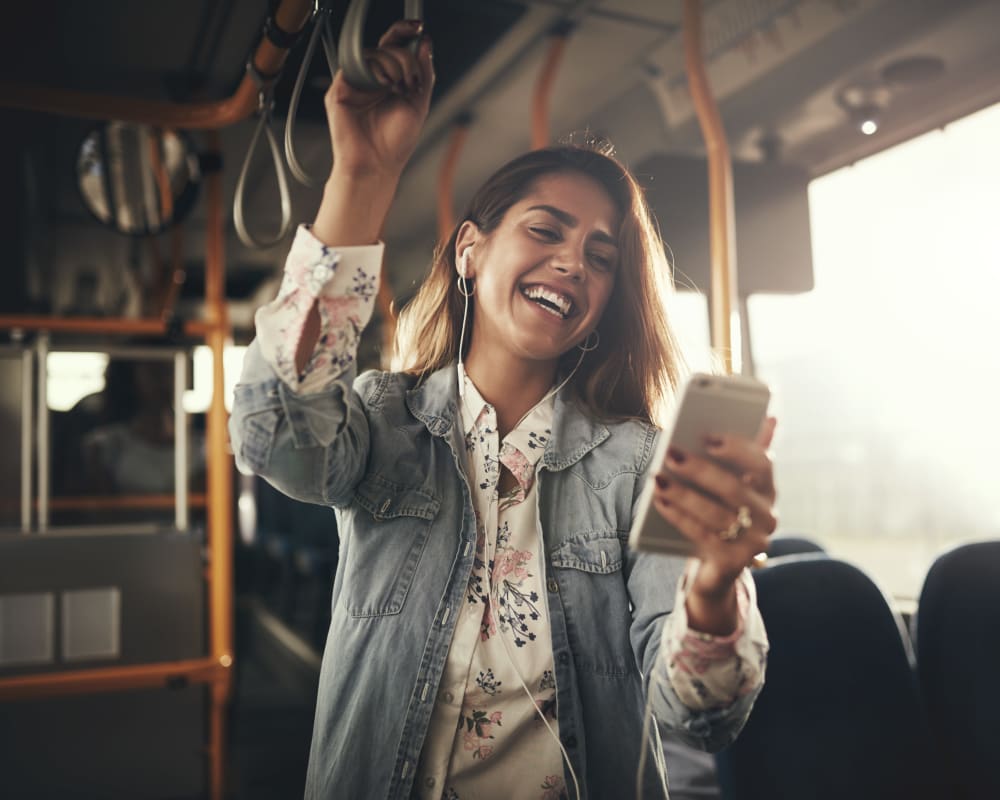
(447, 697)
(552, 585)
(429, 781)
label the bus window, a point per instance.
(886, 375)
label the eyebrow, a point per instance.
(570, 221)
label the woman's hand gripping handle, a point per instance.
(373, 134)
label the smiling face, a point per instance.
(544, 275)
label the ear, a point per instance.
(468, 235)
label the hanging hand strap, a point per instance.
(265, 105)
(321, 30)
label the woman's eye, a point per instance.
(602, 261)
(544, 233)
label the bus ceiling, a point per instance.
(807, 85)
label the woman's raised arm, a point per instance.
(373, 136)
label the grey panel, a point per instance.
(26, 629)
(159, 580)
(773, 243)
(91, 624)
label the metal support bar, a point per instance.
(181, 442)
(109, 679)
(27, 424)
(722, 228)
(220, 481)
(543, 87)
(42, 430)
(98, 325)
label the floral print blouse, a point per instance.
(487, 737)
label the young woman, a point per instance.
(491, 634)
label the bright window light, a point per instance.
(886, 376)
(73, 376)
(199, 397)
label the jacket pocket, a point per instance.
(592, 589)
(391, 526)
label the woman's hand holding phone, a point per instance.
(725, 506)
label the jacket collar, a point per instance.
(435, 403)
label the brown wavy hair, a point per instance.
(637, 366)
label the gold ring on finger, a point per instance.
(740, 525)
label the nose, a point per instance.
(569, 262)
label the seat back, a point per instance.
(958, 661)
(840, 714)
(787, 544)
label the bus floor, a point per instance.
(271, 716)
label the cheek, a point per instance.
(602, 296)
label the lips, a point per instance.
(556, 303)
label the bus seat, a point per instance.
(786, 544)
(840, 713)
(957, 629)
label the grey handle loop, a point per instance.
(263, 126)
(352, 60)
(321, 31)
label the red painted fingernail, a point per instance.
(676, 455)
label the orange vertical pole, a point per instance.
(220, 481)
(543, 87)
(446, 176)
(721, 216)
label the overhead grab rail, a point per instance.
(287, 21)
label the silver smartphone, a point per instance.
(710, 404)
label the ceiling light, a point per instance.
(864, 104)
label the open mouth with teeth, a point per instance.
(559, 305)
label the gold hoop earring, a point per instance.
(586, 347)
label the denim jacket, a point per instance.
(387, 453)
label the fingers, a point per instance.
(766, 433)
(732, 554)
(711, 514)
(746, 458)
(742, 469)
(396, 65)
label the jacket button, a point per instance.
(564, 657)
(552, 585)
(385, 505)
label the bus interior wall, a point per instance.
(795, 80)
